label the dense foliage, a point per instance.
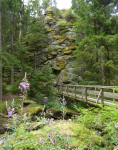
(41, 84)
(97, 41)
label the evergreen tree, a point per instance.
(96, 53)
(45, 4)
(10, 28)
(36, 38)
(0, 57)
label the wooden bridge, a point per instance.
(92, 94)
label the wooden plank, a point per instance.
(102, 97)
(98, 96)
(65, 88)
(93, 101)
(98, 86)
(73, 90)
(83, 93)
(106, 94)
(111, 95)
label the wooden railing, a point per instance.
(92, 94)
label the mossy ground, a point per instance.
(72, 133)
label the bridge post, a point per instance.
(95, 91)
(102, 97)
(75, 92)
(113, 93)
(86, 94)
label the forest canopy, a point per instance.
(97, 41)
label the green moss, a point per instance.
(66, 57)
(65, 72)
(66, 78)
(62, 23)
(52, 48)
(53, 53)
(60, 64)
(53, 31)
(54, 20)
(71, 56)
(53, 110)
(70, 111)
(69, 49)
(48, 15)
(70, 24)
(74, 70)
(32, 110)
(77, 134)
(60, 41)
(30, 102)
(70, 38)
(57, 37)
(60, 48)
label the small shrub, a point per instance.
(69, 16)
(13, 89)
(57, 13)
(4, 86)
(52, 48)
(41, 84)
(3, 107)
(62, 23)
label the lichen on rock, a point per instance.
(60, 63)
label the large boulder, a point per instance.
(58, 114)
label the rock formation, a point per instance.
(59, 53)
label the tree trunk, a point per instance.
(102, 70)
(12, 69)
(0, 57)
(95, 30)
(20, 32)
(35, 59)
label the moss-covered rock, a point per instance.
(49, 11)
(74, 135)
(65, 72)
(69, 49)
(32, 110)
(60, 63)
(60, 41)
(70, 111)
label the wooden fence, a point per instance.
(92, 94)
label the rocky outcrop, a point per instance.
(59, 53)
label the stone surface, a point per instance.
(57, 114)
(2, 131)
(62, 39)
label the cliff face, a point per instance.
(59, 53)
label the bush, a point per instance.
(52, 48)
(62, 23)
(69, 16)
(41, 84)
(4, 86)
(13, 89)
(57, 13)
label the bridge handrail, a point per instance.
(97, 86)
(98, 93)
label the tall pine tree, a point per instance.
(96, 41)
